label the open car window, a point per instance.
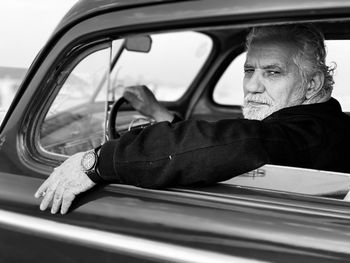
(77, 118)
(229, 92)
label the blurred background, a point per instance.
(25, 26)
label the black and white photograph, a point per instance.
(197, 131)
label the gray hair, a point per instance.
(311, 52)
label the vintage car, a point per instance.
(190, 54)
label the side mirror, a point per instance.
(139, 44)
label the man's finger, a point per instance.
(130, 97)
(57, 200)
(42, 189)
(47, 199)
(132, 89)
(347, 197)
(67, 200)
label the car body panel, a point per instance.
(173, 215)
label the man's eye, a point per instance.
(273, 73)
(248, 71)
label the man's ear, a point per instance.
(315, 85)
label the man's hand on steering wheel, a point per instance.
(143, 100)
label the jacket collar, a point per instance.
(331, 106)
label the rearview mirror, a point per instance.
(139, 44)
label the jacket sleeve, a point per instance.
(199, 152)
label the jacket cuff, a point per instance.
(106, 163)
(176, 119)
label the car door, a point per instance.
(62, 108)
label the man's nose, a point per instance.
(254, 84)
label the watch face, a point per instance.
(88, 160)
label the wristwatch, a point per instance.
(89, 166)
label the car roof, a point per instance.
(87, 8)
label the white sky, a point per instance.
(25, 26)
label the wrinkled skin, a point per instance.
(143, 100)
(63, 185)
(347, 197)
(271, 80)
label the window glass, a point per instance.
(167, 69)
(77, 117)
(338, 53)
(229, 89)
(75, 120)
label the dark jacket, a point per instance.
(198, 152)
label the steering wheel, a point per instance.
(111, 127)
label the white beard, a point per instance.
(253, 112)
(257, 113)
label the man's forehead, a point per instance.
(271, 53)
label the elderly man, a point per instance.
(290, 119)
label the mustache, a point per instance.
(257, 99)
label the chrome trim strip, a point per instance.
(122, 244)
(247, 201)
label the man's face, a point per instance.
(271, 79)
